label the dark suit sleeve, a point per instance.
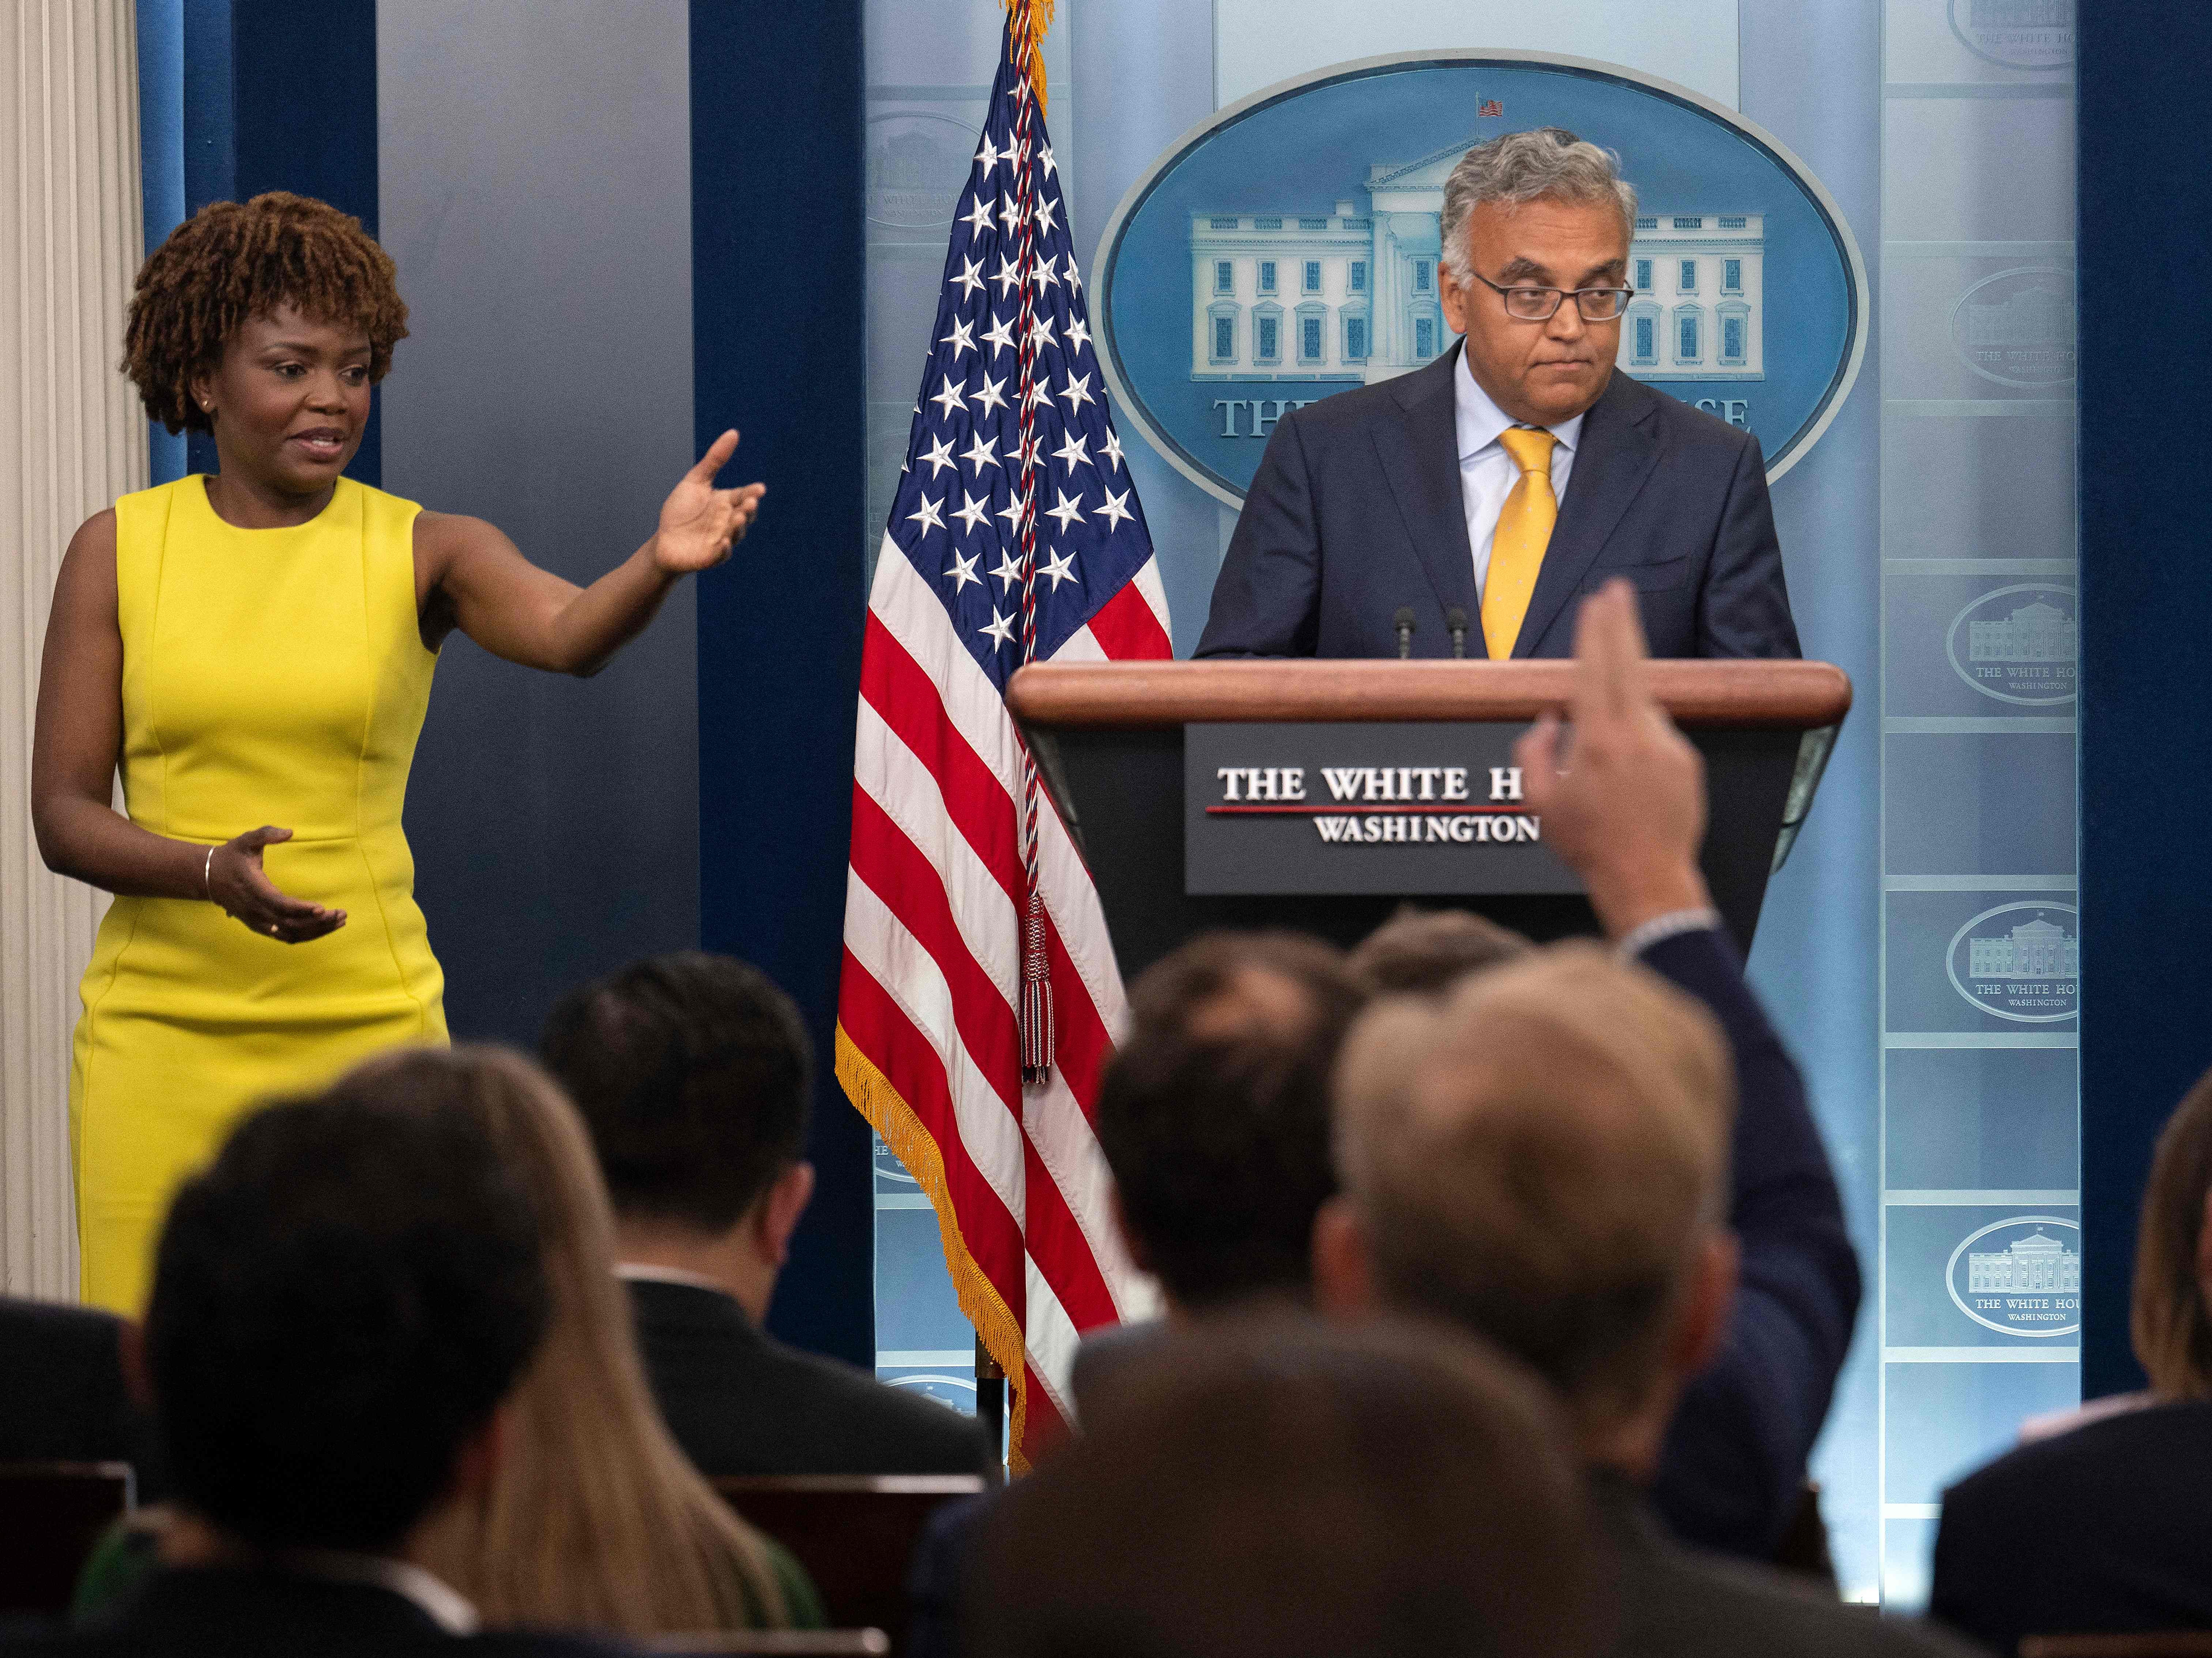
(1956, 1592)
(1735, 1455)
(1266, 600)
(1744, 609)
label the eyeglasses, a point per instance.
(1540, 304)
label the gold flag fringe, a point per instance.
(872, 1095)
(1038, 13)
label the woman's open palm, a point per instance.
(699, 524)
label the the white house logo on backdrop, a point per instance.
(2018, 33)
(1287, 249)
(918, 161)
(2020, 1277)
(2017, 327)
(2018, 644)
(2019, 961)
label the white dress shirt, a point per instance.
(439, 1600)
(1487, 473)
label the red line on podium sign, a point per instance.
(1366, 810)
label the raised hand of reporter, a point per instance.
(1620, 791)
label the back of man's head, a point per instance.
(693, 1073)
(1541, 1159)
(340, 1301)
(1283, 1488)
(1214, 1113)
(1427, 952)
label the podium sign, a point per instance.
(1204, 794)
(1411, 810)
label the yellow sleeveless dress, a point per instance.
(269, 676)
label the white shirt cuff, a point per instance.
(1672, 924)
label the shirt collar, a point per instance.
(632, 1271)
(1479, 421)
(441, 1603)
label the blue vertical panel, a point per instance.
(210, 154)
(776, 132)
(2146, 191)
(211, 140)
(160, 30)
(1980, 1296)
(303, 83)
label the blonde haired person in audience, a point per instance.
(2098, 1523)
(595, 1519)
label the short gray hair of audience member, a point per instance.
(1549, 164)
(1281, 1488)
(1427, 951)
(1539, 1159)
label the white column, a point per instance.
(72, 437)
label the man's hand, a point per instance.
(1625, 804)
(699, 524)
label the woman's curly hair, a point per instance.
(228, 262)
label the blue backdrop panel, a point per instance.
(776, 238)
(2146, 193)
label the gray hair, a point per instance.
(1549, 164)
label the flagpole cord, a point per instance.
(1033, 1016)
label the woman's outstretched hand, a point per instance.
(699, 524)
(237, 881)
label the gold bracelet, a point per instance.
(207, 876)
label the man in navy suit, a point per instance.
(1488, 492)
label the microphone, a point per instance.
(1403, 621)
(1455, 620)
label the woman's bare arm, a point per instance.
(470, 576)
(77, 744)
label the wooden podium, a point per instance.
(1126, 748)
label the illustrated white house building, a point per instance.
(2033, 633)
(1348, 296)
(2021, 14)
(2037, 1263)
(2033, 949)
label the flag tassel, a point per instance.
(1035, 1013)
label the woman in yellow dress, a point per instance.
(253, 650)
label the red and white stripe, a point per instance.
(932, 958)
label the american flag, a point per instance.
(980, 994)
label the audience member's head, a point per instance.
(1278, 1488)
(2171, 1326)
(594, 1518)
(1425, 952)
(693, 1072)
(340, 1302)
(1214, 1113)
(1542, 1158)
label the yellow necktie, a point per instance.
(1524, 529)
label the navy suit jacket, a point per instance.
(1733, 1461)
(2100, 1531)
(1356, 511)
(740, 1402)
